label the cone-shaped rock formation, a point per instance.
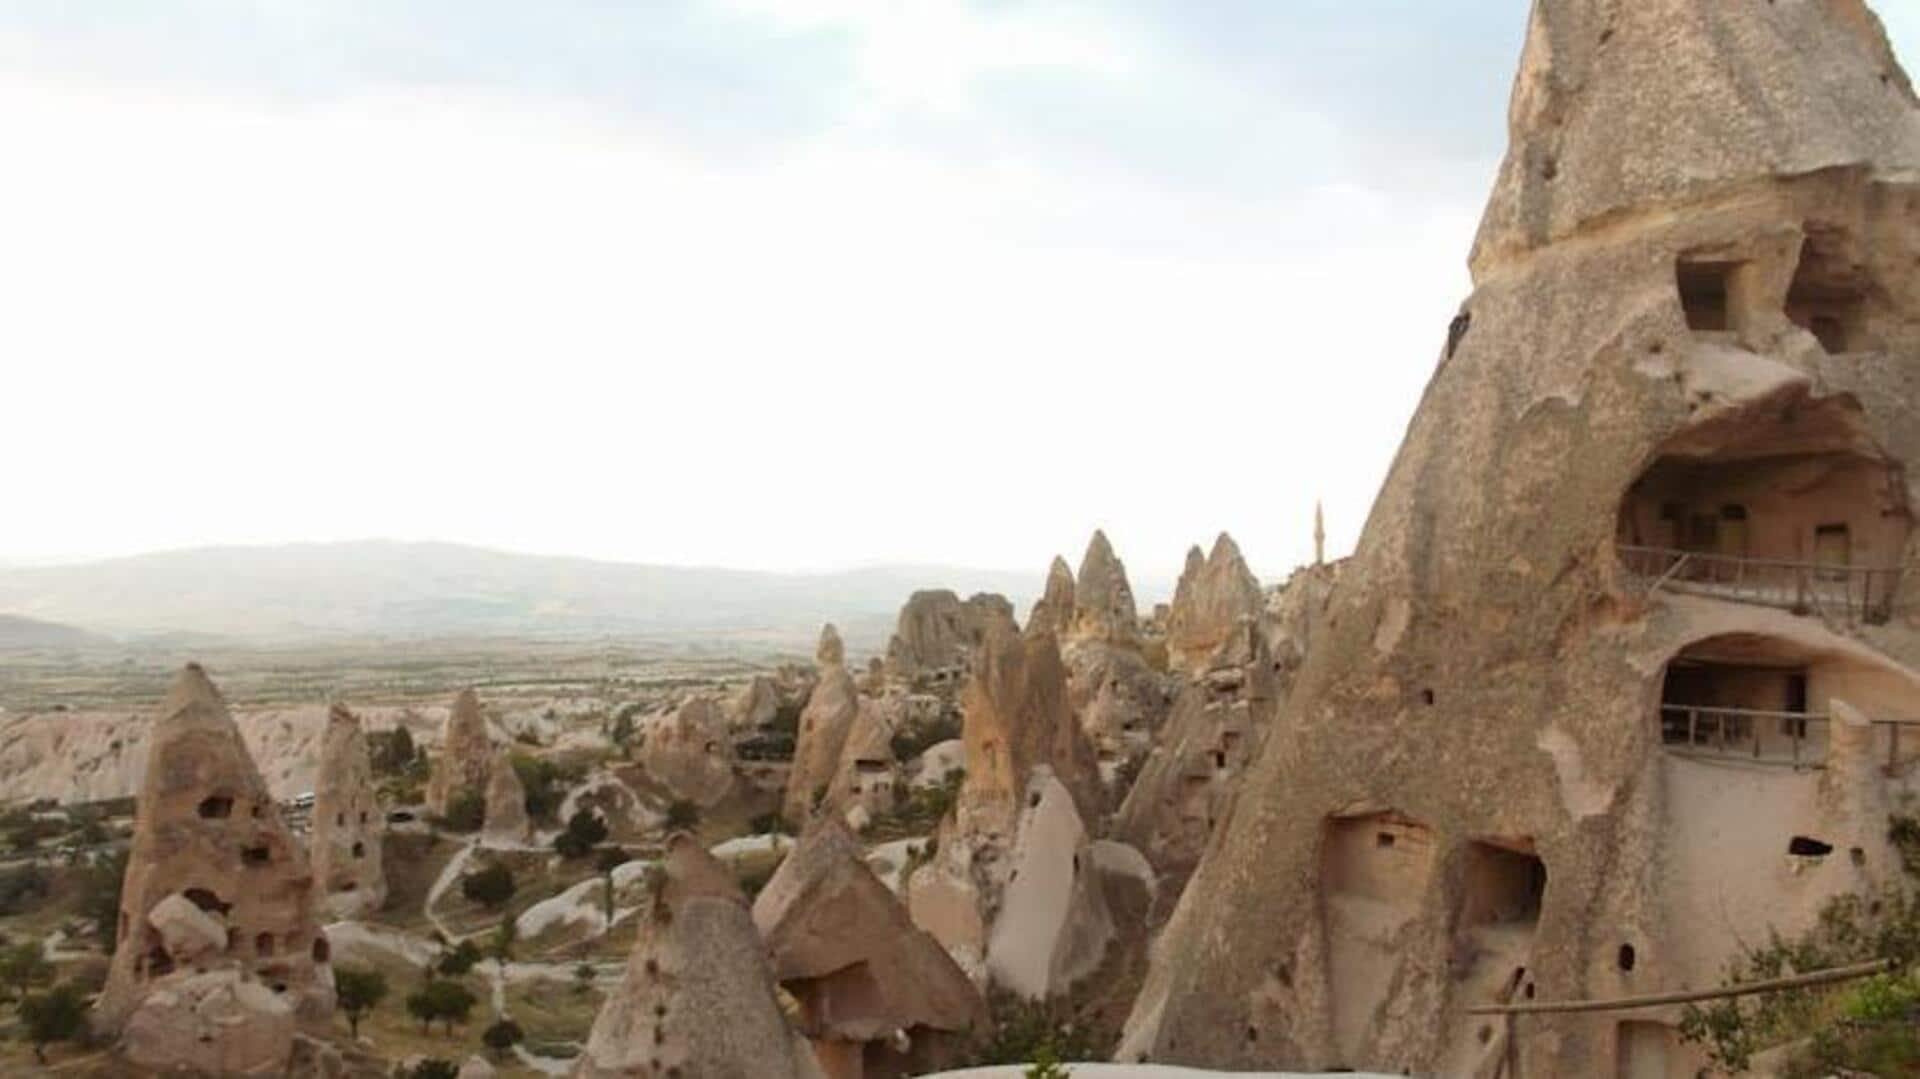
(347, 821)
(862, 971)
(217, 919)
(1661, 471)
(465, 757)
(698, 996)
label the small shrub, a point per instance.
(466, 810)
(490, 887)
(57, 1015)
(501, 1036)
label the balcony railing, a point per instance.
(1850, 593)
(1790, 739)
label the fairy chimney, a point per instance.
(347, 821)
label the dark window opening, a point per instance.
(256, 855)
(159, 963)
(263, 944)
(1503, 886)
(206, 900)
(359, 850)
(1627, 957)
(322, 951)
(1704, 290)
(1828, 294)
(1803, 847)
(216, 807)
(1383, 839)
(1457, 331)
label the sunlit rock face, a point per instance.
(1686, 363)
(347, 821)
(217, 911)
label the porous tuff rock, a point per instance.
(1213, 595)
(844, 946)
(465, 758)
(1103, 609)
(347, 821)
(1015, 716)
(755, 704)
(1031, 784)
(867, 772)
(936, 632)
(824, 725)
(207, 831)
(698, 996)
(506, 819)
(1484, 690)
(1191, 777)
(689, 752)
(216, 1023)
(1053, 612)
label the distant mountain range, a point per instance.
(381, 588)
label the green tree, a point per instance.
(500, 944)
(435, 1068)
(466, 810)
(57, 1015)
(358, 992)
(490, 887)
(23, 965)
(501, 1036)
(585, 831)
(97, 896)
(583, 977)
(443, 1000)
(458, 961)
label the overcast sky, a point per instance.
(758, 283)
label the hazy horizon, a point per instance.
(781, 285)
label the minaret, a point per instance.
(1319, 535)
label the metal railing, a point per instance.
(1852, 593)
(1789, 739)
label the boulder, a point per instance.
(216, 1023)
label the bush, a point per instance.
(57, 1015)
(1851, 1024)
(490, 887)
(435, 1068)
(502, 1036)
(683, 816)
(23, 965)
(392, 753)
(919, 812)
(97, 897)
(459, 960)
(1034, 1032)
(466, 810)
(22, 888)
(584, 831)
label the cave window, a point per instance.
(363, 816)
(206, 900)
(1704, 293)
(1733, 530)
(359, 850)
(1503, 886)
(1801, 846)
(339, 820)
(1827, 296)
(216, 807)
(263, 944)
(159, 963)
(1219, 758)
(257, 855)
(322, 952)
(1627, 957)
(1383, 839)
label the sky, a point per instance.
(770, 284)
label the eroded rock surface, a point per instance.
(464, 761)
(347, 821)
(698, 995)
